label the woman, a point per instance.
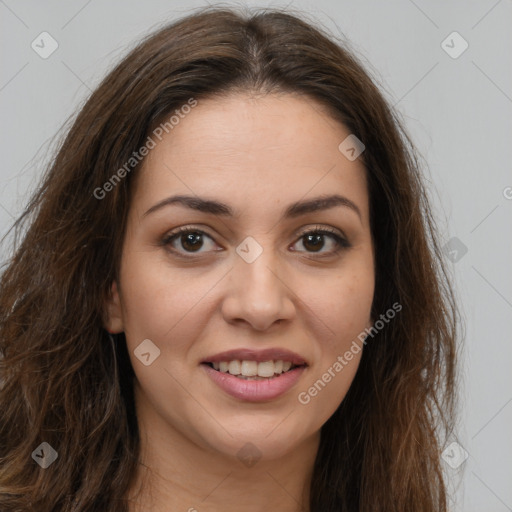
(230, 293)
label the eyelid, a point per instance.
(322, 228)
(301, 232)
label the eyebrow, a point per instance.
(294, 210)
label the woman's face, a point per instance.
(255, 277)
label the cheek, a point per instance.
(158, 302)
(343, 305)
(343, 310)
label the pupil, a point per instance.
(318, 241)
(193, 239)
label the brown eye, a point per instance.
(191, 241)
(186, 240)
(315, 240)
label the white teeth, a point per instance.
(266, 369)
(249, 368)
(234, 367)
(254, 369)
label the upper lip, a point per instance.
(269, 354)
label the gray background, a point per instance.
(458, 111)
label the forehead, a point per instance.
(253, 151)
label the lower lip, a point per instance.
(255, 390)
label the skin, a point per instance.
(258, 154)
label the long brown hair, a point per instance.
(65, 382)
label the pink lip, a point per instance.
(254, 390)
(270, 354)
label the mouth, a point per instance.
(255, 376)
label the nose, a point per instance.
(258, 293)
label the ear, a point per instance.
(113, 311)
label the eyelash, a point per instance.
(341, 243)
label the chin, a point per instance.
(264, 440)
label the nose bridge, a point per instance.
(256, 268)
(257, 295)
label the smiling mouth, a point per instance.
(253, 370)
